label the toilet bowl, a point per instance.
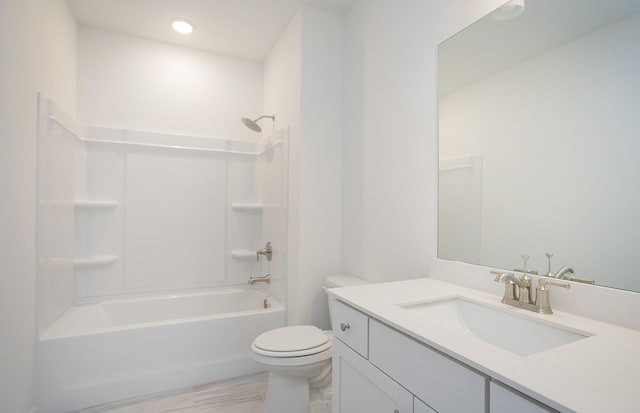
(298, 358)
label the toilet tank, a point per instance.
(342, 280)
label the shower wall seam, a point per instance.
(123, 262)
(226, 220)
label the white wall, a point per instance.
(137, 84)
(389, 150)
(34, 34)
(390, 143)
(320, 163)
(303, 87)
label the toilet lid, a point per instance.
(294, 338)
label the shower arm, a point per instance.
(272, 117)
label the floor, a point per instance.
(243, 395)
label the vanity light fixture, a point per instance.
(509, 10)
(182, 26)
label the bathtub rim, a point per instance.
(276, 305)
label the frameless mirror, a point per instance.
(539, 141)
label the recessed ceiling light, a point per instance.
(182, 26)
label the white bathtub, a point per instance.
(124, 348)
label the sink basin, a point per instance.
(512, 332)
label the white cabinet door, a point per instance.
(504, 400)
(446, 385)
(358, 387)
(419, 407)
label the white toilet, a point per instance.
(298, 358)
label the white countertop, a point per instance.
(600, 373)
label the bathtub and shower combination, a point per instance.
(126, 347)
(140, 287)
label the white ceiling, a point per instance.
(243, 28)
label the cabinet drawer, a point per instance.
(444, 384)
(351, 326)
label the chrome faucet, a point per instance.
(510, 282)
(522, 298)
(562, 273)
(264, 279)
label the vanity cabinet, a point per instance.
(377, 369)
(360, 387)
(506, 400)
(445, 384)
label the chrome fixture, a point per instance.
(543, 306)
(580, 280)
(549, 273)
(522, 298)
(253, 125)
(510, 282)
(563, 273)
(267, 251)
(524, 269)
(264, 279)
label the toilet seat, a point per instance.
(292, 346)
(293, 341)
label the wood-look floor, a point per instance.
(244, 395)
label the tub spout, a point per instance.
(263, 279)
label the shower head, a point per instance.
(253, 125)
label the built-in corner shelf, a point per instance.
(247, 206)
(244, 255)
(95, 204)
(95, 261)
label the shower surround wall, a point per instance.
(126, 216)
(125, 211)
(172, 230)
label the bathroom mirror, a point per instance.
(539, 141)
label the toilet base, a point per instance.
(287, 393)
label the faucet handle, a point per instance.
(543, 305)
(525, 276)
(542, 284)
(549, 256)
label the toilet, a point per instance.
(298, 359)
